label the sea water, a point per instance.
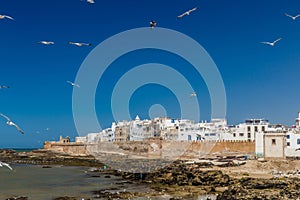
(38, 183)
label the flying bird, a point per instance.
(6, 16)
(5, 165)
(152, 24)
(187, 13)
(73, 84)
(292, 17)
(10, 123)
(46, 42)
(89, 1)
(193, 94)
(272, 43)
(4, 87)
(79, 44)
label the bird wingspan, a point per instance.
(288, 15)
(266, 43)
(6, 165)
(277, 40)
(5, 117)
(193, 9)
(180, 16)
(9, 17)
(19, 129)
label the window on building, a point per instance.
(263, 129)
(288, 136)
(249, 135)
(248, 128)
(255, 128)
(298, 141)
(288, 144)
(189, 137)
(241, 134)
(234, 135)
(273, 141)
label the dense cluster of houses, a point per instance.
(274, 138)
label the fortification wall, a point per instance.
(70, 148)
(158, 148)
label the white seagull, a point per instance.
(187, 13)
(46, 42)
(4, 87)
(292, 17)
(193, 94)
(272, 43)
(10, 123)
(152, 24)
(73, 84)
(89, 1)
(6, 16)
(79, 44)
(5, 165)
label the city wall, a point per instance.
(69, 148)
(158, 148)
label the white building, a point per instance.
(257, 130)
(247, 131)
(80, 139)
(293, 143)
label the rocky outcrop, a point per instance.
(181, 174)
(268, 189)
(45, 157)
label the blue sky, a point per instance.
(260, 81)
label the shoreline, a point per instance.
(185, 179)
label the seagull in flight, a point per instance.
(46, 42)
(292, 17)
(152, 24)
(4, 87)
(73, 84)
(272, 43)
(193, 94)
(89, 1)
(5, 165)
(187, 13)
(6, 16)
(10, 123)
(79, 44)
